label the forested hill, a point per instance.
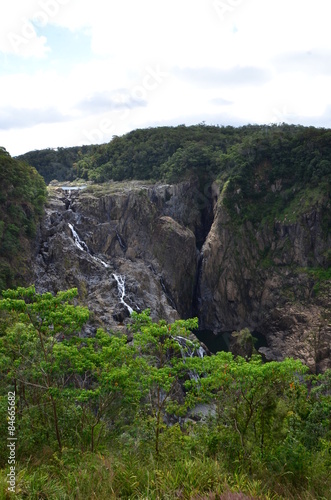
(172, 153)
(22, 197)
(248, 162)
(57, 163)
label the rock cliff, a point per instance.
(179, 253)
(129, 230)
(262, 277)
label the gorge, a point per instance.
(174, 248)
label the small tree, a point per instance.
(40, 322)
(103, 384)
(246, 396)
(162, 367)
(87, 382)
(243, 344)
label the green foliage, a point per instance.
(275, 170)
(194, 159)
(22, 197)
(267, 174)
(321, 277)
(85, 476)
(57, 163)
(31, 353)
(169, 153)
(243, 343)
(248, 397)
(257, 154)
(162, 365)
(265, 430)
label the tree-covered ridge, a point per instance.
(56, 164)
(275, 172)
(22, 197)
(142, 153)
(275, 166)
(250, 159)
(173, 153)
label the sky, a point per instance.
(76, 72)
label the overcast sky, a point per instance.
(80, 71)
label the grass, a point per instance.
(89, 476)
(84, 476)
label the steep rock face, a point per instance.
(258, 278)
(149, 224)
(128, 231)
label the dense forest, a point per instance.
(172, 153)
(56, 163)
(22, 198)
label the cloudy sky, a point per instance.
(80, 71)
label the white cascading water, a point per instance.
(121, 289)
(119, 279)
(83, 247)
(78, 242)
(188, 350)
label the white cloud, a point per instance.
(162, 62)
(11, 117)
(19, 22)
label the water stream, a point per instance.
(188, 350)
(81, 245)
(121, 290)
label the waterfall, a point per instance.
(83, 246)
(119, 279)
(121, 290)
(167, 294)
(188, 350)
(78, 242)
(100, 261)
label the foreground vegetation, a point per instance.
(103, 418)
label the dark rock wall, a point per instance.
(258, 278)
